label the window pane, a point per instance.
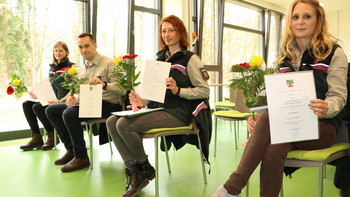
(238, 47)
(146, 37)
(147, 3)
(274, 39)
(210, 33)
(243, 16)
(112, 29)
(49, 21)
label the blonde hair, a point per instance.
(321, 41)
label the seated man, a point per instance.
(65, 116)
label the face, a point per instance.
(87, 48)
(60, 54)
(304, 21)
(169, 35)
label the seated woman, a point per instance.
(33, 110)
(305, 45)
(187, 82)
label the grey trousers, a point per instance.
(125, 133)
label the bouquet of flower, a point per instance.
(71, 80)
(16, 86)
(125, 72)
(250, 79)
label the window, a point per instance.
(26, 39)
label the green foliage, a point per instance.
(251, 81)
(72, 82)
(125, 72)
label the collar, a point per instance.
(94, 61)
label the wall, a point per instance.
(339, 27)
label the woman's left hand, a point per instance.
(171, 85)
(320, 107)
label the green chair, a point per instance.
(162, 132)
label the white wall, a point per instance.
(340, 28)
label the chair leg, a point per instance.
(281, 192)
(45, 135)
(247, 189)
(320, 181)
(109, 141)
(166, 154)
(215, 135)
(202, 159)
(156, 165)
(235, 135)
(55, 138)
(91, 147)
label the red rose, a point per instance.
(10, 90)
(131, 56)
(66, 68)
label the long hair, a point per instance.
(57, 44)
(321, 41)
(179, 28)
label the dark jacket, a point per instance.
(56, 78)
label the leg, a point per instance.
(36, 141)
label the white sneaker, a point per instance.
(222, 192)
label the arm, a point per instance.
(201, 87)
(337, 91)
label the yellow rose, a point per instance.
(117, 60)
(72, 71)
(256, 61)
(16, 82)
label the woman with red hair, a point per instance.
(187, 84)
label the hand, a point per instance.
(320, 107)
(96, 80)
(52, 102)
(251, 123)
(71, 101)
(135, 99)
(32, 95)
(171, 85)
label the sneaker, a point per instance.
(222, 192)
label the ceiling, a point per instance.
(329, 5)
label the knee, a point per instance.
(111, 122)
(70, 114)
(122, 125)
(37, 107)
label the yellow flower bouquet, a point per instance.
(250, 79)
(16, 86)
(71, 80)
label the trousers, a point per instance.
(125, 133)
(260, 150)
(34, 111)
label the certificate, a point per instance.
(44, 92)
(153, 80)
(90, 101)
(131, 113)
(288, 98)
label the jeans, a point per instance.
(125, 133)
(32, 111)
(272, 157)
(67, 124)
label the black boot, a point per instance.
(147, 170)
(137, 181)
(35, 142)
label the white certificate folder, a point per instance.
(288, 98)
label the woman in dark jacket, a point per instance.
(33, 110)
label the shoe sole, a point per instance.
(144, 184)
(75, 169)
(32, 148)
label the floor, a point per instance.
(32, 173)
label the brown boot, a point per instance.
(35, 142)
(50, 143)
(76, 164)
(147, 170)
(137, 181)
(68, 156)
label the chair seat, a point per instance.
(224, 104)
(317, 155)
(231, 114)
(157, 130)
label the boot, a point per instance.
(147, 170)
(76, 164)
(137, 181)
(35, 142)
(50, 143)
(127, 175)
(68, 156)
